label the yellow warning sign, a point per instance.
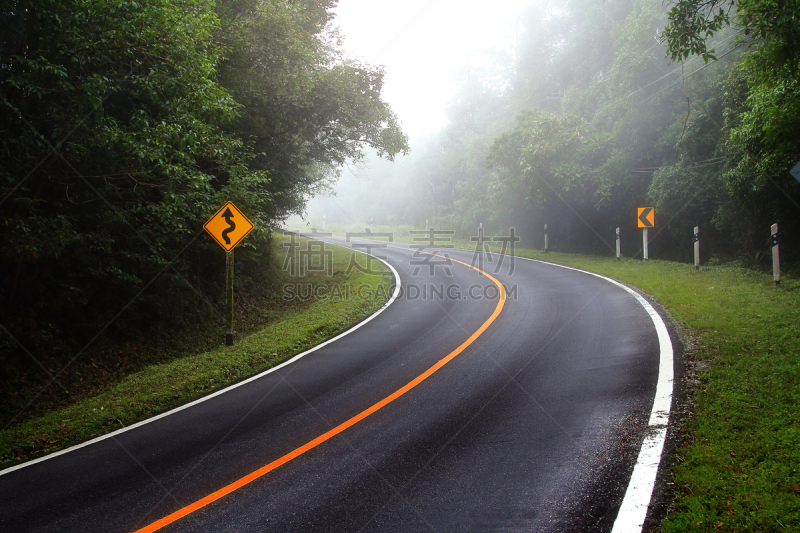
(647, 217)
(228, 226)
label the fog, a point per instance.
(568, 113)
(427, 48)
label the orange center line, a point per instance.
(241, 482)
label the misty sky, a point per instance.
(424, 45)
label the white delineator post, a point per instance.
(644, 244)
(545, 238)
(776, 262)
(697, 248)
(617, 244)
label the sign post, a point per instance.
(229, 298)
(697, 248)
(228, 227)
(645, 255)
(646, 219)
(618, 244)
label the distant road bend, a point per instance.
(489, 395)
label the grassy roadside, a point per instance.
(327, 302)
(739, 467)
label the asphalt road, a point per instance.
(534, 426)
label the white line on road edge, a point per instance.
(226, 389)
(633, 510)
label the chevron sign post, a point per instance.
(646, 219)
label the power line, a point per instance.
(691, 166)
(691, 73)
(631, 62)
(670, 73)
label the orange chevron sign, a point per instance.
(647, 217)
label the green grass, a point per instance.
(159, 387)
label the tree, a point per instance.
(543, 169)
(308, 109)
(763, 115)
(125, 125)
(773, 26)
(111, 126)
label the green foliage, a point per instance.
(125, 124)
(761, 112)
(544, 169)
(773, 26)
(111, 122)
(540, 158)
(307, 110)
(762, 146)
(692, 22)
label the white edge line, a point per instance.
(226, 389)
(633, 511)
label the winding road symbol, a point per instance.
(227, 215)
(225, 231)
